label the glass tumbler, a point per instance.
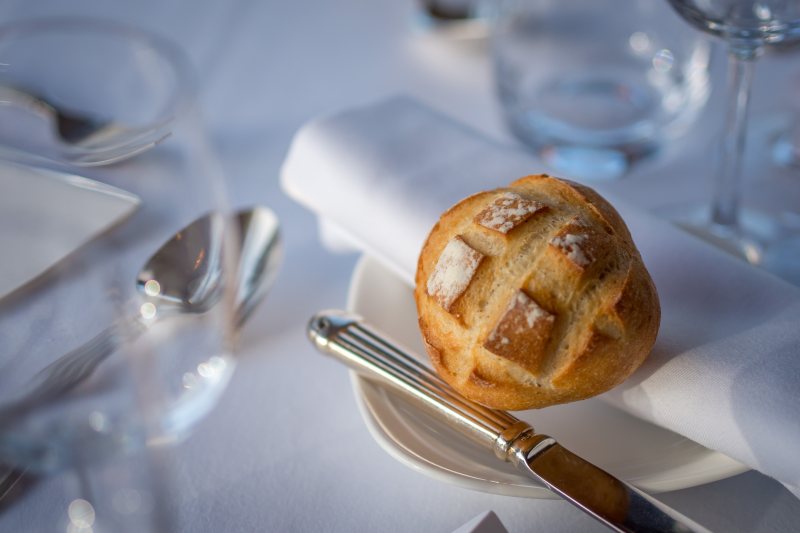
(593, 87)
(120, 344)
(84, 92)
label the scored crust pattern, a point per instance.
(534, 295)
(507, 211)
(524, 327)
(574, 242)
(453, 272)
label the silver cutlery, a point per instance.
(260, 254)
(616, 504)
(187, 281)
(71, 128)
(84, 140)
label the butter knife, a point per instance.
(616, 504)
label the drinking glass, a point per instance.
(46, 111)
(594, 87)
(767, 239)
(781, 134)
(167, 358)
(786, 146)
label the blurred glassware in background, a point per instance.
(767, 239)
(594, 87)
(168, 368)
(46, 111)
(444, 11)
(786, 144)
(784, 135)
(456, 20)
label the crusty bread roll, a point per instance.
(534, 295)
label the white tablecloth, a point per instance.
(308, 463)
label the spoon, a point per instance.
(181, 290)
(81, 139)
(181, 277)
(71, 128)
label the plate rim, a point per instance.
(359, 386)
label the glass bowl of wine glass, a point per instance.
(118, 306)
(593, 88)
(766, 238)
(46, 111)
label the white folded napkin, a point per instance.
(725, 371)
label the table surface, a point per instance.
(286, 449)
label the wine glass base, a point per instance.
(776, 142)
(769, 241)
(784, 151)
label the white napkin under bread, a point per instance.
(725, 371)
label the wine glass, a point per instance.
(786, 146)
(593, 91)
(80, 249)
(781, 136)
(48, 114)
(762, 238)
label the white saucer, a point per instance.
(649, 457)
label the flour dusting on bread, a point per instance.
(523, 329)
(570, 245)
(453, 272)
(556, 306)
(507, 212)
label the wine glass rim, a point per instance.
(177, 60)
(768, 32)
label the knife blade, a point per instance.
(616, 504)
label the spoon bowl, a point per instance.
(183, 276)
(260, 255)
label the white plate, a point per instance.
(650, 457)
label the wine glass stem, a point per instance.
(725, 207)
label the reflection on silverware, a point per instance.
(70, 127)
(85, 140)
(449, 11)
(260, 254)
(13, 483)
(614, 503)
(181, 277)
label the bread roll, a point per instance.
(534, 295)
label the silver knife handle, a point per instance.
(616, 504)
(345, 336)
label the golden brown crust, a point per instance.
(559, 308)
